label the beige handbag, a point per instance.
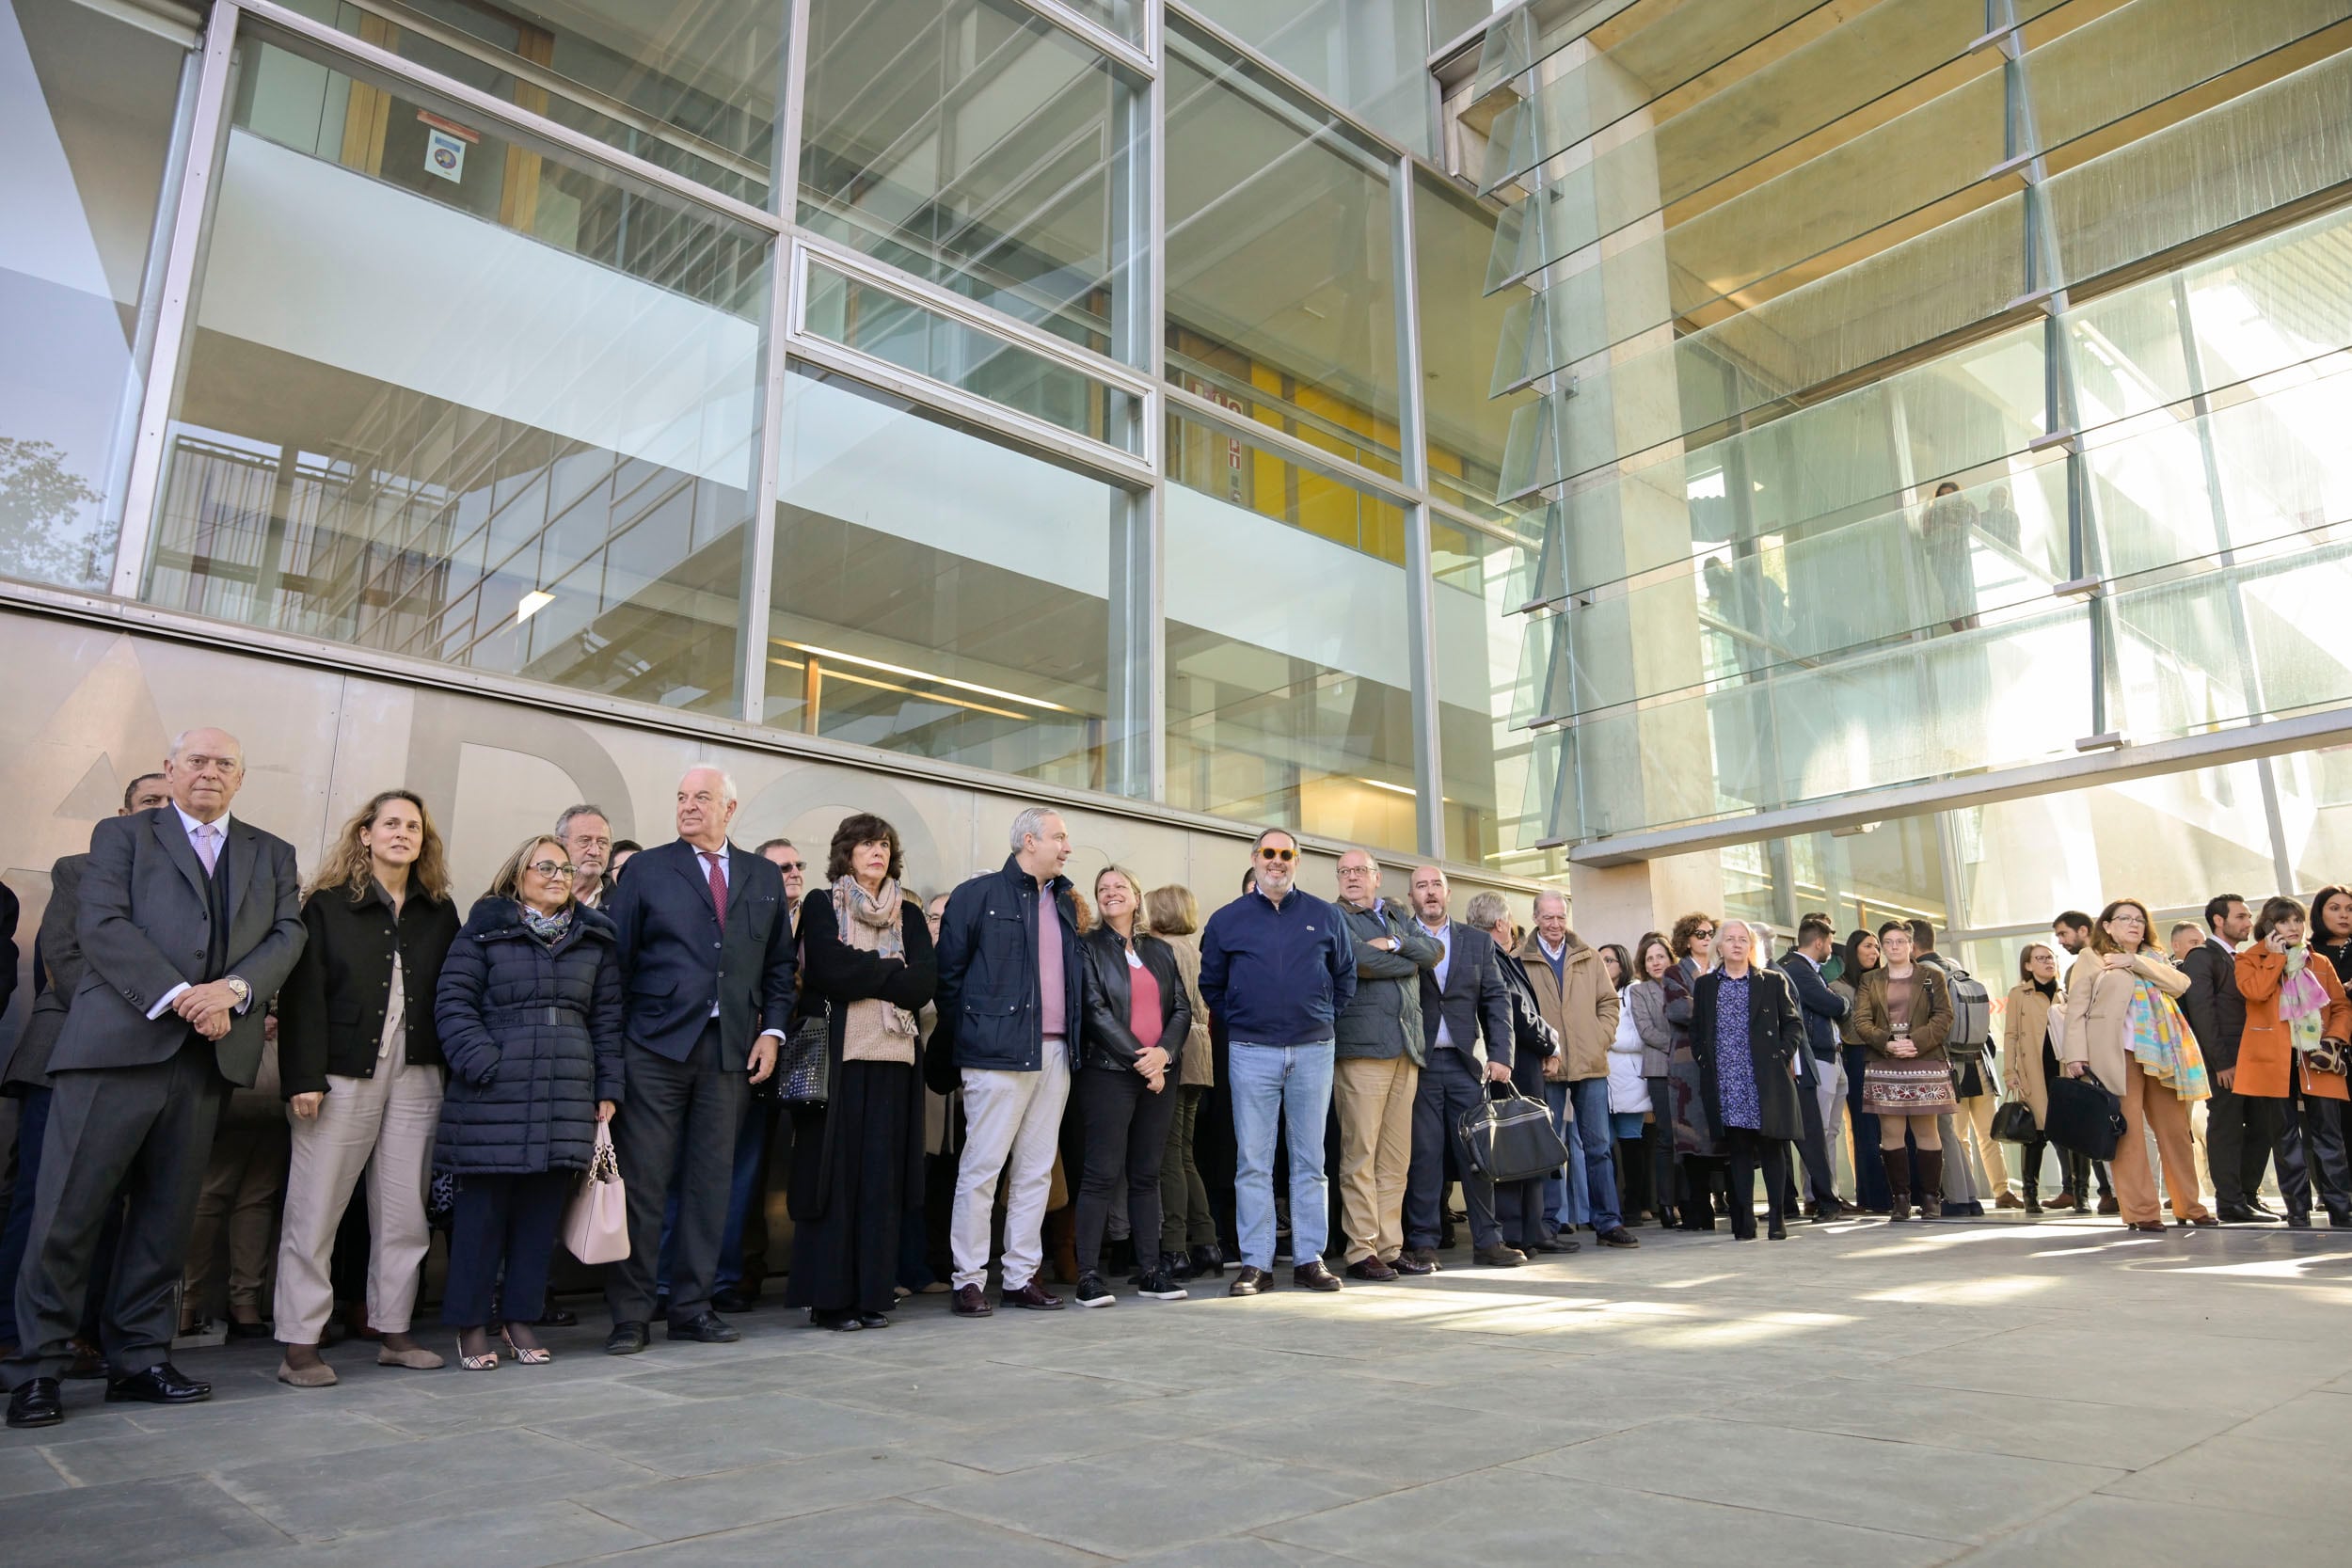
(595, 1222)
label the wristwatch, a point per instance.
(238, 988)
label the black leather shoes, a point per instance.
(873, 1319)
(730, 1298)
(1499, 1257)
(1618, 1236)
(1314, 1276)
(1563, 1242)
(554, 1314)
(36, 1402)
(161, 1383)
(1247, 1281)
(706, 1328)
(1413, 1263)
(625, 1340)
(2243, 1213)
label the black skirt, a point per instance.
(844, 1258)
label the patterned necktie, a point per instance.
(205, 850)
(718, 891)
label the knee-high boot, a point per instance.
(1927, 1173)
(1898, 1182)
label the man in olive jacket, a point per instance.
(1572, 989)
(1378, 1048)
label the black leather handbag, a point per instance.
(1509, 1137)
(2086, 1116)
(2013, 1123)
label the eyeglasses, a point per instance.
(548, 868)
(1273, 854)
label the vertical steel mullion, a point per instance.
(208, 140)
(2281, 862)
(783, 304)
(1148, 767)
(1420, 586)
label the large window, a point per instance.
(501, 415)
(973, 144)
(940, 595)
(86, 105)
(1289, 669)
(1280, 297)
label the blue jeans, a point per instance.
(1590, 1098)
(1563, 1188)
(1287, 1086)
(748, 1186)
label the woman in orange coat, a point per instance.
(2296, 1005)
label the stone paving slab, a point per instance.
(1985, 1393)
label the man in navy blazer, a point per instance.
(707, 962)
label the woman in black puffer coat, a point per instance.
(529, 1013)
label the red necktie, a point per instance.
(717, 891)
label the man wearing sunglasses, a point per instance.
(1277, 968)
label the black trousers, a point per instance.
(145, 1133)
(503, 1222)
(1745, 1152)
(2239, 1132)
(1451, 1085)
(2310, 1151)
(1126, 1140)
(679, 1122)
(1184, 1217)
(1659, 1135)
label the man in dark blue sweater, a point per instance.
(1275, 968)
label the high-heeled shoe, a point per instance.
(530, 1356)
(486, 1362)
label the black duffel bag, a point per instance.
(1509, 1137)
(2013, 1123)
(2086, 1116)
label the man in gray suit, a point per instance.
(190, 921)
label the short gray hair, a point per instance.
(1030, 824)
(563, 823)
(1487, 910)
(1555, 896)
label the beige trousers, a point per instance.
(2150, 1107)
(392, 1117)
(1374, 1103)
(1975, 1126)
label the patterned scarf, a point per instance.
(2161, 1042)
(549, 928)
(873, 1030)
(2301, 1000)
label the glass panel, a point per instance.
(693, 88)
(1485, 762)
(1281, 301)
(915, 563)
(861, 316)
(412, 422)
(1895, 870)
(1368, 57)
(976, 145)
(1460, 324)
(2315, 810)
(1124, 17)
(86, 105)
(1288, 675)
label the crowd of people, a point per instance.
(949, 1088)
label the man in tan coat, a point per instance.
(1572, 988)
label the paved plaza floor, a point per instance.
(2064, 1393)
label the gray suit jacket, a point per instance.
(59, 952)
(142, 932)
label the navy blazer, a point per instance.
(1474, 998)
(675, 962)
(1823, 1008)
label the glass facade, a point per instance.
(1648, 415)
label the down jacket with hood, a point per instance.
(532, 1035)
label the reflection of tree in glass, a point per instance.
(44, 534)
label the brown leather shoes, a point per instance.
(1314, 1275)
(1371, 1268)
(1033, 1296)
(971, 1301)
(1413, 1263)
(1499, 1257)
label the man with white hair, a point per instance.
(707, 969)
(1012, 1001)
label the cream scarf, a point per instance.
(873, 1030)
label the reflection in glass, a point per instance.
(86, 105)
(942, 596)
(1289, 679)
(1279, 295)
(692, 88)
(975, 145)
(448, 421)
(1368, 57)
(1460, 324)
(1483, 760)
(856, 314)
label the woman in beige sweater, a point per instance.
(2121, 961)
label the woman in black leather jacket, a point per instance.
(1137, 1013)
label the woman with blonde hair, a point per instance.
(529, 1012)
(1187, 1224)
(360, 1064)
(2123, 989)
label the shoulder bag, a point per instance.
(596, 1221)
(2086, 1116)
(1509, 1137)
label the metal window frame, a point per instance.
(1139, 57)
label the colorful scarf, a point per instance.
(2301, 1000)
(873, 1030)
(2166, 1051)
(549, 928)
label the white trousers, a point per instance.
(390, 1117)
(1015, 1116)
